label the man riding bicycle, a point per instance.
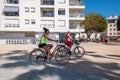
(68, 39)
(43, 43)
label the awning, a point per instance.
(10, 9)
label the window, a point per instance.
(15, 1)
(47, 23)
(110, 33)
(47, 2)
(26, 21)
(114, 33)
(26, 9)
(61, 23)
(61, 12)
(11, 1)
(111, 21)
(32, 21)
(32, 9)
(110, 29)
(48, 13)
(11, 13)
(61, 1)
(110, 25)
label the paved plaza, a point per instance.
(101, 62)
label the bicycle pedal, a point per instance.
(45, 58)
(70, 53)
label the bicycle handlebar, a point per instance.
(78, 41)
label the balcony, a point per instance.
(11, 14)
(76, 26)
(11, 25)
(77, 15)
(47, 25)
(47, 2)
(76, 3)
(12, 1)
(47, 12)
(11, 11)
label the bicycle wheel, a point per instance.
(79, 51)
(37, 57)
(62, 51)
(62, 56)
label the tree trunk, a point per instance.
(79, 35)
(95, 36)
(88, 36)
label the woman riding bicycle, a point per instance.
(43, 44)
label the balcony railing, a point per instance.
(77, 15)
(48, 14)
(47, 25)
(11, 25)
(47, 2)
(12, 1)
(76, 3)
(17, 41)
(76, 26)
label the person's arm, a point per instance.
(49, 38)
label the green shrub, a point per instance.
(97, 40)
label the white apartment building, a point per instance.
(22, 21)
(112, 26)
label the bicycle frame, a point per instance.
(59, 56)
(74, 43)
(58, 46)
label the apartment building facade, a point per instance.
(22, 21)
(112, 26)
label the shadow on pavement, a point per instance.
(114, 55)
(113, 43)
(89, 52)
(13, 52)
(81, 70)
(84, 70)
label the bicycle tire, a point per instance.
(37, 57)
(62, 56)
(79, 51)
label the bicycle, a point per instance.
(77, 50)
(39, 55)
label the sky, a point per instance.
(103, 7)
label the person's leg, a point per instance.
(50, 46)
(71, 43)
(48, 51)
(66, 42)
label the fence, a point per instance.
(15, 41)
